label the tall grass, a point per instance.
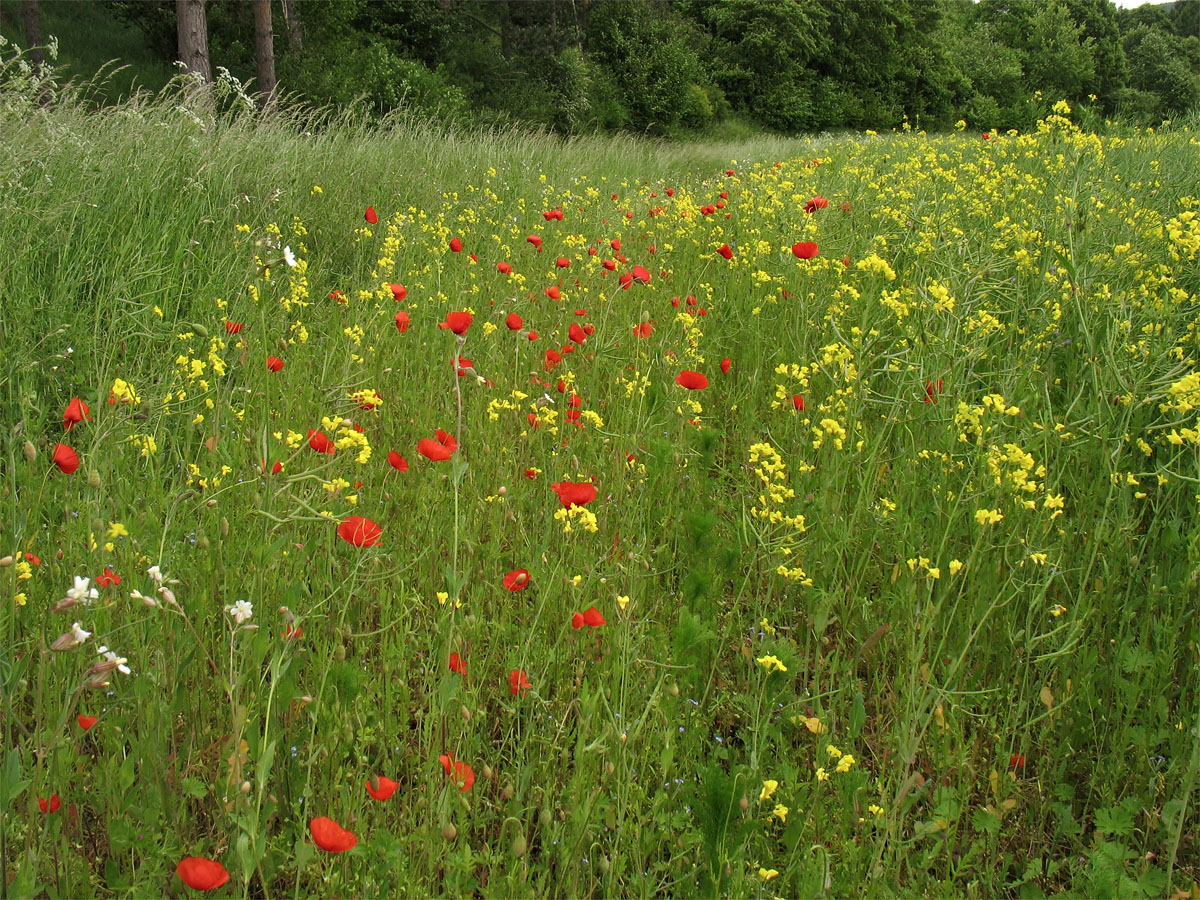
(904, 603)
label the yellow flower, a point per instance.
(874, 810)
(116, 530)
(845, 763)
(833, 751)
(822, 775)
(813, 724)
(988, 516)
(771, 663)
(442, 597)
(767, 874)
(770, 786)
(1057, 610)
(780, 812)
(955, 567)
(20, 599)
(622, 602)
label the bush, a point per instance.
(697, 111)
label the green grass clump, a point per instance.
(901, 603)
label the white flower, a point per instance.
(78, 634)
(81, 593)
(155, 573)
(289, 257)
(111, 657)
(241, 611)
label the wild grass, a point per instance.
(902, 604)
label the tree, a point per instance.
(1059, 58)
(264, 51)
(192, 31)
(33, 33)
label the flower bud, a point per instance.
(213, 502)
(487, 772)
(64, 642)
(744, 803)
(519, 846)
(465, 713)
(95, 684)
(64, 604)
(102, 668)
(30, 451)
(94, 479)
(198, 330)
(507, 792)
(245, 787)
(545, 818)
(5, 562)
(449, 832)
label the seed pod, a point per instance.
(339, 653)
(465, 713)
(487, 772)
(603, 865)
(224, 527)
(211, 503)
(5, 562)
(508, 792)
(744, 803)
(204, 542)
(30, 451)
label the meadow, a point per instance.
(395, 511)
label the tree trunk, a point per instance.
(193, 37)
(33, 33)
(264, 51)
(291, 18)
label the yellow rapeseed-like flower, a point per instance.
(771, 663)
(769, 787)
(767, 874)
(116, 530)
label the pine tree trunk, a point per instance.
(291, 18)
(33, 33)
(264, 51)
(192, 32)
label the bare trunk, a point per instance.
(193, 37)
(33, 33)
(291, 18)
(264, 51)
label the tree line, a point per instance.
(666, 66)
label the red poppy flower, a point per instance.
(535, 240)
(804, 249)
(693, 381)
(641, 275)
(329, 835)
(293, 634)
(274, 364)
(50, 807)
(1016, 761)
(360, 531)
(562, 262)
(320, 442)
(798, 402)
(726, 365)
(533, 335)
(446, 440)
(201, 874)
(458, 665)
(932, 390)
(338, 295)
(516, 580)
(611, 265)
(816, 203)
(592, 617)
(65, 458)
(986, 136)
(458, 322)
(86, 722)
(455, 245)
(531, 474)
(576, 333)
(553, 292)
(461, 772)
(553, 358)
(726, 251)
(75, 412)
(371, 216)
(432, 450)
(233, 327)
(402, 321)
(644, 330)
(572, 493)
(399, 291)
(397, 462)
(518, 683)
(503, 268)
(514, 322)
(551, 215)
(108, 579)
(381, 787)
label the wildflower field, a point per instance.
(396, 512)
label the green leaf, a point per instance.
(1115, 821)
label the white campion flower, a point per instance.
(79, 634)
(119, 662)
(155, 573)
(289, 257)
(241, 611)
(82, 593)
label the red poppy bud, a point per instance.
(86, 722)
(798, 402)
(503, 268)
(458, 665)
(397, 462)
(726, 251)
(455, 245)
(371, 216)
(726, 364)
(399, 291)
